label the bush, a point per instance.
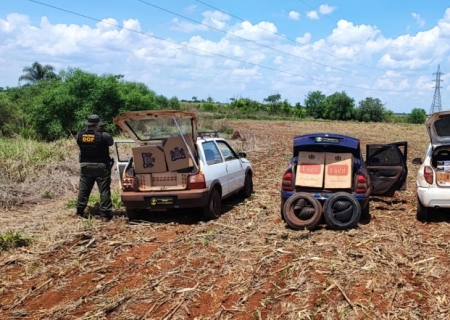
(417, 116)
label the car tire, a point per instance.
(213, 209)
(422, 212)
(341, 211)
(247, 191)
(302, 211)
(365, 212)
(132, 214)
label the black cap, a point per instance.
(94, 120)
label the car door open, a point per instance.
(386, 164)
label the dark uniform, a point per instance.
(95, 165)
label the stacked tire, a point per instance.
(341, 211)
(302, 211)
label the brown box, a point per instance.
(310, 169)
(443, 178)
(338, 170)
(149, 159)
(177, 153)
(161, 181)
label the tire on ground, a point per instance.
(213, 209)
(302, 211)
(247, 191)
(341, 211)
(422, 212)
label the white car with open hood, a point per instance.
(433, 177)
(169, 165)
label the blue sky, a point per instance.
(229, 49)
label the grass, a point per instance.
(14, 239)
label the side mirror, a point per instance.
(242, 155)
(417, 161)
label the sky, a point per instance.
(384, 49)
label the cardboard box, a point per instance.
(443, 168)
(161, 181)
(338, 170)
(443, 163)
(177, 153)
(149, 159)
(443, 178)
(310, 169)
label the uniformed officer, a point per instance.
(95, 165)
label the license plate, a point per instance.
(155, 201)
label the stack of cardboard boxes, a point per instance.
(156, 166)
(443, 173)
(324, 170)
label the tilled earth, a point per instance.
(246, 265)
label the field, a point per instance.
(245, 265)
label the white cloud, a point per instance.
(312, 15)
(263, 31)
(294, 15)
(213, 19)
(347, 33)
(326, 9)
(418, 19)
(190, 9)
(305, 39)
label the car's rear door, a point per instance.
(387, 168)
(122, 155)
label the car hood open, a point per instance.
(149, 125)
(438, 127)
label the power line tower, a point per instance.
(436, 105)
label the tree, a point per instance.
(417, 116)
(315, 104)
(38, 72)
(339, 106)
(274, 103)
(370, 109)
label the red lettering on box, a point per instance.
(310, 168)
(337, 170)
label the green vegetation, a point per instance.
(52, 106)
(13, 239)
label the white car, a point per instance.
(169, 165)
(433, 177)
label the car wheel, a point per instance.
(365, 213)
(302, 211)
(132, 214)
(213, 209)
(247, 191)
(341, 211)
(422, 212)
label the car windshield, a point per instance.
(159, 128)
(443, 127)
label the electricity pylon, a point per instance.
(436, 104)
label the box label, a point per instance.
(338, 170)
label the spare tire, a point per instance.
(341, 211)
(302, 211)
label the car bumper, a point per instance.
(434, 197)
(163, 201)
(363, 199)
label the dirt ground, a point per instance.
(246, 265)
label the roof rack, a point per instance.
(212, 134)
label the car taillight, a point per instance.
(361, 184)
(428, 174)
(128, 184)
(286, 184)
(197, 181)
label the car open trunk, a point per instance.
(440, 161)
(163, 154)
(325, 168)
